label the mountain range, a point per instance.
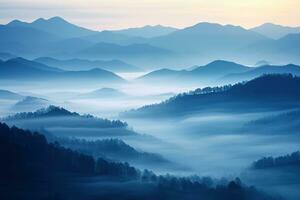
(21, 69)
(147, 31)
(275, 31)
(162, 46)
(55, 25)
(83, 64)
(215, 73)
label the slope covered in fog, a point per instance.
(207, 74)
(263, 93)
(41, 165)
(81, 64)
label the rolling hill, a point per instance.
(268, 92)
(207, 74)
(259, 71)
(20, 69)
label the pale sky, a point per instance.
(118, 14)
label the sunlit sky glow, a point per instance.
(118, 14)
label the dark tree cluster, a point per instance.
(27, 155)
(292, 159)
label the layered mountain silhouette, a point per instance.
(109, 50)
(207, 37)
(61, 122)
(5, 94)
(204, 74)
(268, 92)
(55, 25)
(82, 64)
(162, 46)
(30, 103)
(216, 72)
(147, 31)
(258, 71)
(275, 31)
(22, 69)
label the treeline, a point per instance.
(55, 112)
(265, 92)
(292, 159)
(27, 155)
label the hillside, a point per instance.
(207, 74)
(24, 70)
(269, 92)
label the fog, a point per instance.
(206, 144)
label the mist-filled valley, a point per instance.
(208, 112)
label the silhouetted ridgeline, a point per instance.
(291, 160)
(275, 91)
(54, 114)
(25, 70)
(113, 149)
(27, 158)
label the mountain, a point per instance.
(82, 64)
(56, 26)
(275, 31)
(21, 40)
(268, 92)
(207, 38)
(147, 31)
(5, 94)
(259, 71)
(109, 50)
(283, 50)
(114, 38)
(60, 122)
(24, 70)
(53, 112)
(103, 93)
(29, 104)
(205, 74)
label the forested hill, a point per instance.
(34, 163)
(266, 92)
(291, 160)
(31, 156)
(57, 116)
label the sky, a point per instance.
(119, 14)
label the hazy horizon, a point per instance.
(116, 14)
